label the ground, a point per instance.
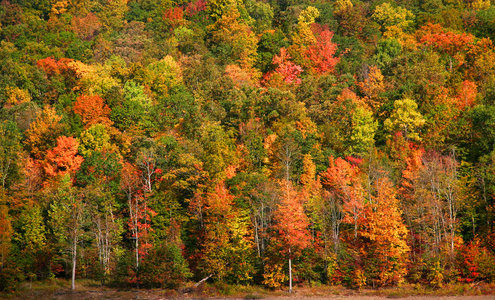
(59, 290)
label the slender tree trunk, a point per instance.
(290, 273)
(74, 261)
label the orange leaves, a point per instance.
(241, 76)
(131, 179)
(339, 175)
(453, 44)
(387, 234)
(411, 172)
(467, 95)
(53, 67)
(220, 201)
(174, 15)
(92, 110)
(63, 158)
(291, 221)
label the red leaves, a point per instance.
(322, 53)
(286, 70)
(63, 158)
(196, 7)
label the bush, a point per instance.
(10, 278)
(164, 267)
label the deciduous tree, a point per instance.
(291, 234)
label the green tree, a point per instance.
(67, 215)
(9, 150)
(95, 139)
(30, 239)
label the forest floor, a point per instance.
(60, 289)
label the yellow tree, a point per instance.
(112, 14)
(43, 132)
(385, 248)
(406, 119)
(303, 36)
(230, 32)
(227, 244)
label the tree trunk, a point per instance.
(74, 261)
(290, 273)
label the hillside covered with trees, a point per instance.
(259, 142)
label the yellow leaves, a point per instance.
(387, 15)
(59, 7)
(162, 75)
(308, 16)
(406, 40)
(387, 233)
(372, 87)
(406, 119)
(480, 4)
(80, 69)
(238, 35)
(43, 131)
(16, 96)
(342, 5)
(96, 79)
(274, 275)
(96, 138)
(220, 8)
(112, 14)
(303, 36)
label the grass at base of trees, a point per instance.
(90, 289)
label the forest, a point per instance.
(273, 143)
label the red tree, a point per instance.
(286, 70)
(322, 54)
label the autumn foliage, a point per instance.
(283, 144)
(63, 158)
(92, 110)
